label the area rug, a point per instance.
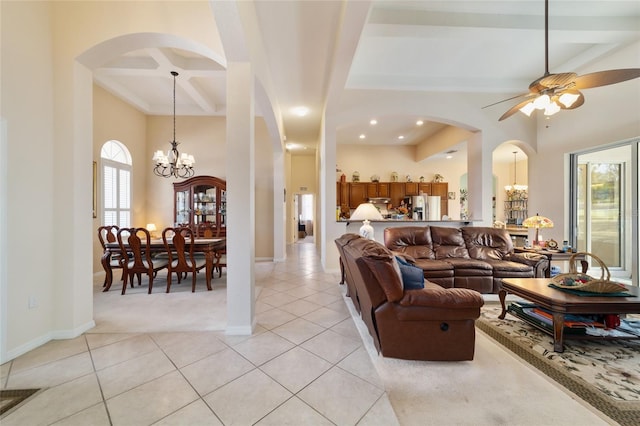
(11, 398)
(605, 374)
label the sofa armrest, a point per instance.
(449, 298)
(539, 262)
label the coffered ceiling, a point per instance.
(491, 48)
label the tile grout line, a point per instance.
(95, 372)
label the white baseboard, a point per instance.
(41, 340)
(71, 334)
(241, 330)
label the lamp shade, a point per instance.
(366, 212)
(537, 222)
(151, 227)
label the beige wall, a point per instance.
(116, 120)
(27, 181)
(303, 174)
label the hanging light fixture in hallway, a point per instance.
(173, 163)
(515, 186)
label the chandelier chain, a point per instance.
(172, 163)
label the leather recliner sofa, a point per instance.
(432, 323)
(471, 257)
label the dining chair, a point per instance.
(109, 234)
(221, 256)
(178, 243)
(206, 230)
(135, 245)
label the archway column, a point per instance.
(240, 199)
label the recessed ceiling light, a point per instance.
(419, 123)
(400, 137)
(293, 146)
(373, 122)
(449, 157)
(300, 111)
(362, 136)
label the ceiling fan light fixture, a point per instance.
(568, 98)
(528, 109)
(561, 84)
(541, 102)
(551, 109)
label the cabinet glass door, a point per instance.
(204, 199)
(182, 207)
(223, 208)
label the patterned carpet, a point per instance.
(606, 374)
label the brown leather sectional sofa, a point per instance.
(432, 323)
(471, 257)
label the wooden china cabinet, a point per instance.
(201, 199)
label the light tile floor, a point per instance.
(163, 359)
(305, 363)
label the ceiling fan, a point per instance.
(553, 92)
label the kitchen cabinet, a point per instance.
(342, 194)
(352, 194)
(201, 199)
(377, 189)
(411, 188)
(357, 194)
(396, 193)
(383, 189)
(372, 189)
(424, 188)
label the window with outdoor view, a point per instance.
(116, 184)
(603, 205)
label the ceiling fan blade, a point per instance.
(505, 100)
(604, 78)
(513, 110)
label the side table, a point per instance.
(556, 256)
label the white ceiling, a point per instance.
(495, 48)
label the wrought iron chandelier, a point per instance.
(173, 163)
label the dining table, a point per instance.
(208, 246)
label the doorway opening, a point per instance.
(305, 207)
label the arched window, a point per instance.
(116, 184)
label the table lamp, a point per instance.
(366, 212)
(537, 222)
(151, 227)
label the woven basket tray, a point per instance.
(575, 280)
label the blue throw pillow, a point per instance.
(412, 276)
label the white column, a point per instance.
(279, 208)
(240, 199)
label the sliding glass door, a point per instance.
(604, 199)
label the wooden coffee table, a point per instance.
(537, 290)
